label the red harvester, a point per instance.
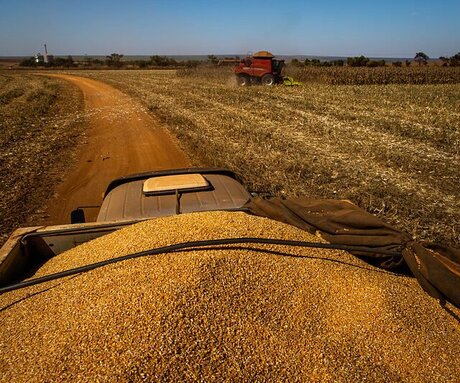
(260, 68)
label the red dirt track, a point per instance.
(122, 139)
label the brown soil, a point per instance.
(122, 139)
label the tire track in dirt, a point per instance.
(122, 138)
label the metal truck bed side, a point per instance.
(28, 248)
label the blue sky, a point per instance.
(139, 27)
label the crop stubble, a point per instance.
(40, 125)
(392, 149)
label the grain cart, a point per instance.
(260, 68)
(127, 200)
(189, 295)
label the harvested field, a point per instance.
(392, 149)
(248, 313)
(40, 125)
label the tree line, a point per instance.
(114, 60)
(420, 58)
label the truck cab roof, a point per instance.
(163, 193)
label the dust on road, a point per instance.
(122, 139)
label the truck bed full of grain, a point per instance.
(246, 312)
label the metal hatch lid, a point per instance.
(177, 182)
(127, 201)
(142, 176)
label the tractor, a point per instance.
(260, 68)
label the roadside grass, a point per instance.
(39, 127)
(392, 149)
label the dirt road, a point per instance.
(122, 139)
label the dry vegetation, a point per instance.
(393, 149)
(39, 127)
(417, 75)
(378, 76)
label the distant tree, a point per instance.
(114, 60)
(192, 63)
(162, 61)
(357, 61)
(58, 61)
(312, 62)
(455, 60)
(338, 62)
(315, 62)
(69, 61)
(445, 60)
(397, 64)
(375, 63)
(421, 58)
(213, 59)
(88, 61)
(141, 63)
(296, 62)
(155, 60)
(28, 62)
(66, 62)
